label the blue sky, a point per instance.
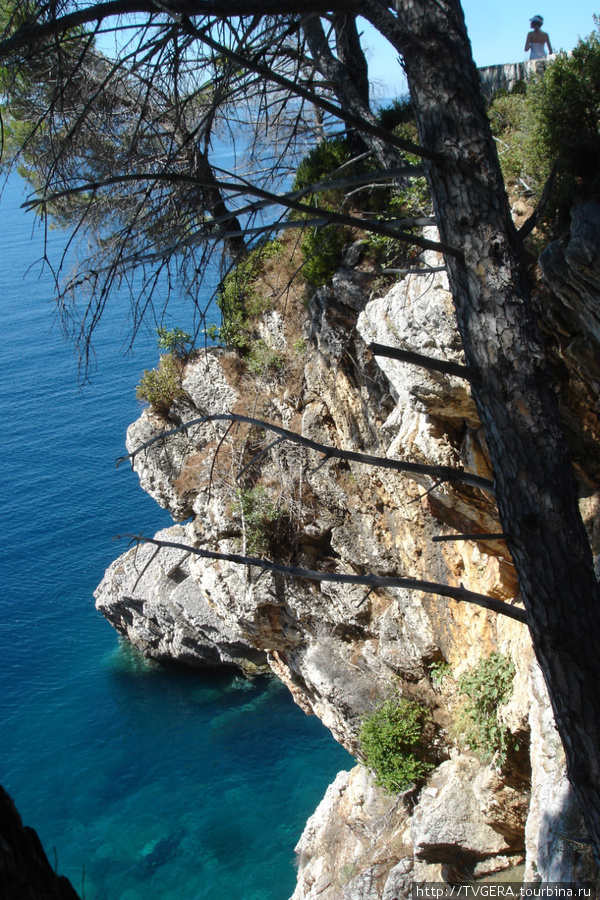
(497, 32)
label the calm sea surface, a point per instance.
(143, 783)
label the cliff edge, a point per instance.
(340, 648)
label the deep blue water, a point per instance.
(142, 782)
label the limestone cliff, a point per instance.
(340, 649)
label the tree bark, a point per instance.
(348, 90)
(535, 486)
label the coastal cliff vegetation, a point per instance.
(120, 146)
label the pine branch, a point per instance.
(442, 473)
(373, 582)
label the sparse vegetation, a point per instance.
(438, 671)
(262, 358)
(485, 689)
(160, 387)
(392, 741)
(258, 513)
(238, 298)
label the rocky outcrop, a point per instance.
(25, 873)
(149, 596)
(339, 648)
(557, 844)
(507, 76)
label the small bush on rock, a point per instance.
(176, 342)
(258, 514)
(160, 387)
(392, 741)
(485, 689)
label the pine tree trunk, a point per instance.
(535, 485)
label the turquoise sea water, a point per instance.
(142, 782)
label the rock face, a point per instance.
(505, 77)
(570, 314)
(25, 873)
(339, 648)
(149, 596)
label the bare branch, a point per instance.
(477, 536)
(427, 362)
(373, 582)
(240, 187)
(443, 473)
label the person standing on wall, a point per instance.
(537, 40)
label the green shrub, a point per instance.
(398, 112)
(161, 386)
(523, 158)
(320, 162)
(439, 670)
(262, 358)
(176, 342)
(568, 108)
(255, 508)
(485, 689)
(238, 298)
(322, 250)
(559, 116)
(392, 741)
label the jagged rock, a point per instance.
(150, 598)
(352, 842)
(169, 471)
(25, 873)
(349, 286)
(339, 648)
(556, 837)
(417, 314)
(447, 826)
(570, 314)
(271, 329)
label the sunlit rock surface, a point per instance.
(341, 648)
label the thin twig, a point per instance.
(500, 536)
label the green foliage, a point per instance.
(258, 513)
(559, 116)
(392, 741)
(318, 164)
(438, 671)
(160, 387)
(299, 347)
(485, 689)
(176, 342)
(322, 249)
(238, 298)
(262, 358)
(398, 112)
(567, 104)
